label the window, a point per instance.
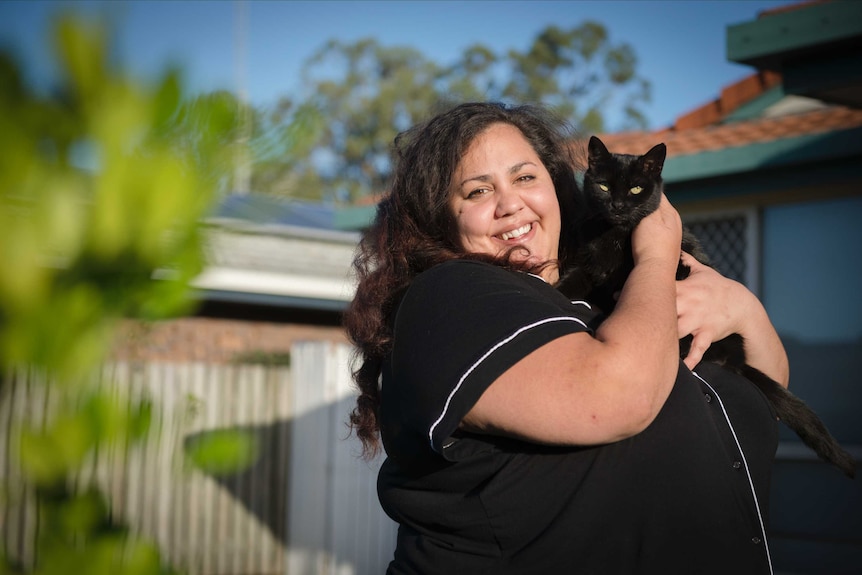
(731, 240)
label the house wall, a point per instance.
(812, 279)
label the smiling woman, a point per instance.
(526, 433)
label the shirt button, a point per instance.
(737, 464)
(755, 540)
(708, 397)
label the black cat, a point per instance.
(619, 191)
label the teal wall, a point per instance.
(812, 289)
(812, 269)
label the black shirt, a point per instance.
(687, 495)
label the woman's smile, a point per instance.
(518, 233)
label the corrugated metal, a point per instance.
(307, 505)
(336, 524)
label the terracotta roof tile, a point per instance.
(732, 97)
(717, 137)
(790, 8)
(747, 89)
(702, 129)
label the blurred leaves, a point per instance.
(84, 420)
(80, 537)
(222, 452)
(103, 184)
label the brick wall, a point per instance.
(213, 340)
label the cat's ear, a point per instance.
(597, 150)
(653, 161)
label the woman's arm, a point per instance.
(583, 390)
(711, 307)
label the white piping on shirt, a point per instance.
(484, 357)
(747, 471)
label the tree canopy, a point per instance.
(362, 94)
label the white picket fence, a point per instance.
(307, 506)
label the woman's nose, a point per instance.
(508, 201)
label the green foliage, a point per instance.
(99, 192)
(367, 93)
(85, 419)
(280, 141)
(580, 74)
(103, 184)
(222, 452)
(376, 93)
(79, 537)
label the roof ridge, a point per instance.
(731, 98)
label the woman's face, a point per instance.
(502, 196)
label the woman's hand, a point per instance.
(710, 307)
(658, 235)
(707, 307)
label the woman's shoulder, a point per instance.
(462, 266)
(474, 274)
(473, 291)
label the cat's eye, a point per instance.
(603, 187)
(636, 190)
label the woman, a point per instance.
(523, 433)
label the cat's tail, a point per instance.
(803, 421)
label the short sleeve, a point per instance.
(458, 328)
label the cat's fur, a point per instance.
(619, 191)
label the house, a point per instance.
(277, 273)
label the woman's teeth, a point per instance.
(516, 233)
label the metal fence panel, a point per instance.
(308, 504)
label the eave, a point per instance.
(817, 47)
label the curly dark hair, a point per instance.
(415, 229)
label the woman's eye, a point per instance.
(525, 178)
(476, 193)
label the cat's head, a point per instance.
(623, 188)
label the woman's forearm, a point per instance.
(644, 323)
(641, 333)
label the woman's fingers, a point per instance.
(699, 344)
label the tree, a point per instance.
(374, 93)
(367, 93)
(280, 143)
(580, 74)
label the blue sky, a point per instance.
(680, 44)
